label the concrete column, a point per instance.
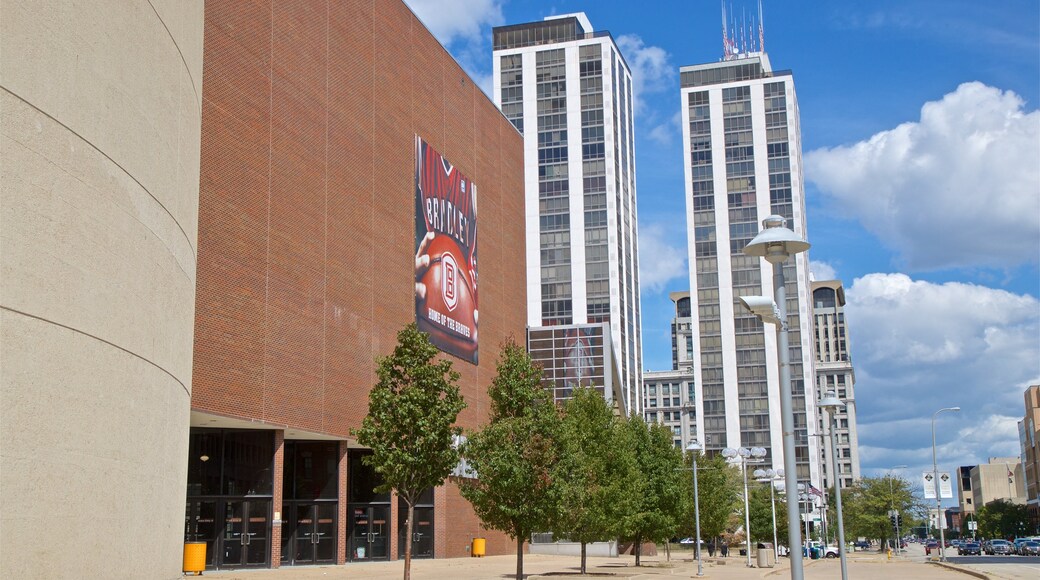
(100, 137)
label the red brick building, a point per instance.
(306, 271)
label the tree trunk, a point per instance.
(519, 557)
(408, 541)
(668, 551)
(638, 548)
(583, 544)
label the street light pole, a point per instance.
(935, 481)
(694, 447)
(771, 476)
(831, 404)
(776, 243)
(744, 454)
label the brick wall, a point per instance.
(306, 217)
(306, 229)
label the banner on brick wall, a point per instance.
(445, 253)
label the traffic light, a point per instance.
(894, 519)
(899, 520)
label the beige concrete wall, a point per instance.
(99, 178)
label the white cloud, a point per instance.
(659, 261)
(666, 133)
(651, 70)
(919, 346)
(449, 20)
(822, 271)
(960, 187)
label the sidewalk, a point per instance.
(862, 566)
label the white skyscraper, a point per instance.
(834, 372)
(743, 162)
(569, 91)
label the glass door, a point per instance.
(312, 537)
(369, 531)
(200, 526)
(246, 533)
(422, 532)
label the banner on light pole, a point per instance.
(945, 485)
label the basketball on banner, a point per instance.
(445, 253)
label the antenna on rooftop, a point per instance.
(761, 30)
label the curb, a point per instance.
(963, 570)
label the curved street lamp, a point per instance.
(939, 518)
(776, 243)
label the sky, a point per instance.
(921, 144)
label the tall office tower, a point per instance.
(834, 372)
(743, 162)
(568, 89)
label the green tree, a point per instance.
(514, 454)
(658, 510)
(596, 473)
(410, 425)
(718, 484)
(761, 506)
(867, 502)
(1002, 519)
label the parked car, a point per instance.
(862, 545)
(969, 549)
(1029, 548)
(1002, 547)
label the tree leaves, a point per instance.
(410, 425)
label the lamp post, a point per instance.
(770, 476)
(832, 404)
(776, 243)
(694, 447)
(935, 481)
(745, 455)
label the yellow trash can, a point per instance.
(479, 547)
(194, 557)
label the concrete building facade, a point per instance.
(834, 372)
(101, 110)
(568, 90)
(1029, 435)
(742, 152)
(998, 478)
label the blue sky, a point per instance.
(921, 141)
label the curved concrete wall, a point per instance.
(100, 137)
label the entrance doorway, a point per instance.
(369, 533)
(245, 539)
(422, 532)
(309, 533)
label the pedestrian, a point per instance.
(724, 550)
(711, 549)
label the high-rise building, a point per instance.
(568, 90)
(834, 372)
(1029, 434)
(670, 397)
(742, 149)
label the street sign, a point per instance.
(945, 485)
